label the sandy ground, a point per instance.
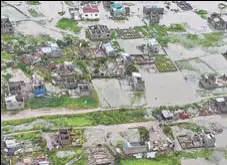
(115, 93)
(202, 161)
(98, 134)
(168, 89)
(217, 62)
(178, 52)
(18, 75)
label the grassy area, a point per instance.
(190, 126)
(68, 24)
(172, 158)
(6, 56)
(164, 64)
(34, 13)
(61, 13)
(33, 2)
(88, 119)
(64, 102)
(202, 13)
(28, 136)
(52, 155)
(211, 39)
(168, 131)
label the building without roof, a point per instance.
(221, 104)
(99, 32)
(64, 137)
(217, 21)
(153, 13)
(100, 155)
(6, 26)
(137, 81)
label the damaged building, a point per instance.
(6, 26)
(220, 104)
(137, 81)
(211, 81)
(217, 21)
(64, 137)
(153, 13)
(197, 140)
(100, 155)
(183, 5)
(99, 32)
(51, 50)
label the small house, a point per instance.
(89, 12)
(14, 102)
(137, 81)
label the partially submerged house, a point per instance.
(100, 155)
(64, 137)
(217, 21)
(14, 102)
(137, 81)
(99, 32)
(153, 13)
(6, 26)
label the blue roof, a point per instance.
(116, 5)
(39, 91)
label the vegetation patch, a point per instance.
(33, 2)
(131, 68)
(68, 24)
(56, 158)
(164, 64)
(190, 126)
(202, 13)
(34, 13)
(168, 131)
(94, 118)
(61, 13)
(64, 102)
(172, 158)
(28, 136)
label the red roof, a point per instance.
(90, 10)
